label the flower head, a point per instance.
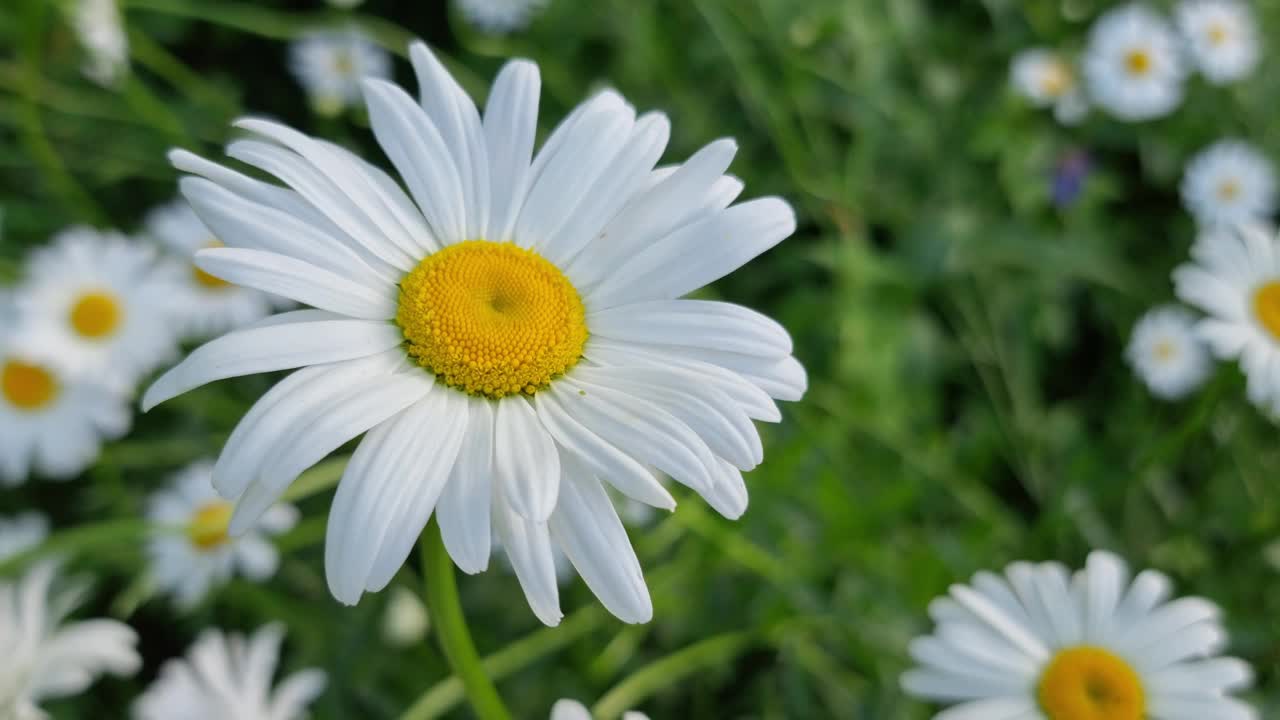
(1039, 642)
(21, 533)
(100, 29)
(330, 64)
(510, 333)
(229, 676)
(1222, 36)
(190, 562)
(566, 709)
(1133, 64)
(46, 659)
(500, 16)
(96, 306)
(1167, 354)
(1047, 79)
(207, 306)
(1235, 279)
(1229, 182)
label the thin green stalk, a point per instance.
(80, 539)
(441, 594)
(669, 671)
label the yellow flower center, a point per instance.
(1266, 304)
(204, 279)
(491, 319)
(344, 64)
(96, 315)
(1165, 350)
(208, 527)
(1090, 683)
(1217, 35)
(1138, 61)
(1055, 80)
(1228, 190)
(27, 387)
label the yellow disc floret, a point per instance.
(96, 315)
(1138, 62)
(208, 527)
(1266, 305)
(1091, 683)
(27, 387)
(491, 319)
(204, 279)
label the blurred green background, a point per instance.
(969, 401)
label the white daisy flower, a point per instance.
(95, 305)
(525, 308)
(229, 676)
(100, 29)
(1167, 354)
(1235, 279)
(50, 424)
(567, 709)
(189, 563)
(21, 533)
(1133, 65)
(1046, 79)
(329, 65)
(1222, 36)
(405, 621)
(1042, 644)
(500, 16)
(44, 659)
(1229, 182)
(208, 306)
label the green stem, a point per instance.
(441, 593)
(669, 671)
(84, 538)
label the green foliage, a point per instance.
(969, 401)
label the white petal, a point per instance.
(464, 508)
(298, 280)
(510, 125)
(528, 545)
(525, 463)
(693, 323)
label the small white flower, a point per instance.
(44, 659)
(329, 64)
(1235, 279)
(188, 563)
(500, 16)
(1133, 65)
(1047, 79)
(1228, 183)
(405, 621)
(95, 305)
(208, 306)
(1042, 643)
(50, 423)
(529, 308)
(100, 28)
(1167, 354)
(1222, 36)
(21, 533)
(228, 676)
(567, 709)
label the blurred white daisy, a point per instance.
(208, 306)
(500, 16)
(1229, 182)
(21, 533)
(405, 621)
(50, 424)
(544, 357)
(189, 563)
(229, 676)
(1133, 65)
(1042, 643)
(100, 29)
(95, 305)
(1047, 79)
(45, 659)
(1222, 36)
(1167, 354)
(329, 65)
(567, 709)
(1235, 279)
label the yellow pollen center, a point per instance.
(27, 387)
(204, 279)
(96, 315)
(1217, 35)
(1090, 683)
(491, 319)
(343, 64)
(1228, 190)
(1266, 304)
(1138, 62)
(1055, 80)
(208, 527)
(1165, 350)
